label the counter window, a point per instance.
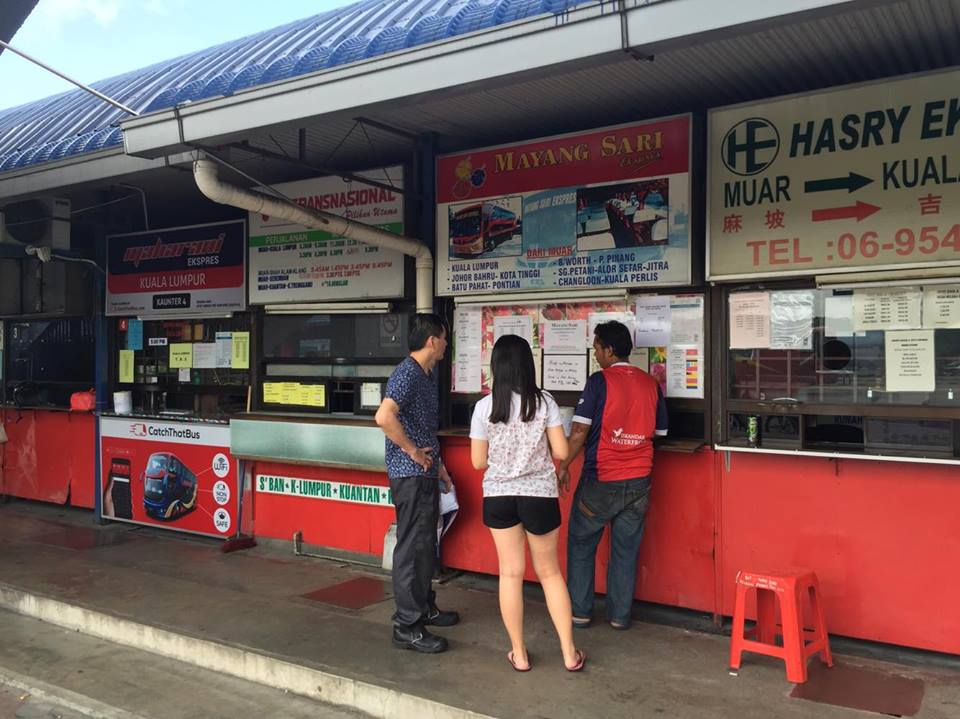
(48, 360)
(334, 363)
(669, 343)
(872, 370)
(196, 367)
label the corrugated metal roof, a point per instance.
(862, 44)
(75, 122)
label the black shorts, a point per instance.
(538, 515)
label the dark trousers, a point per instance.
(417, 501)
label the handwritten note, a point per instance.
(565, 372)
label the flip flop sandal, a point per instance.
(581, 661)
(515, 667)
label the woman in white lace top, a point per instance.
(516, 433)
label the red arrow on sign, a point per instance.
(860, 211)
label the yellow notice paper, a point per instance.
(271, 392)
(181, 355)
(313, 395)
(240, 358)
(294, 393)
(126, 366)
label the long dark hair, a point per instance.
(513, 371)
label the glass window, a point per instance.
(837, 364)
(318, 337)
(51, 350)
(873, 370)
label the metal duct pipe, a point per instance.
(205, 172)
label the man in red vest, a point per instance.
(620, 411)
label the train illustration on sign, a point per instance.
(169, 487)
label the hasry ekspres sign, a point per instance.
(857, 177)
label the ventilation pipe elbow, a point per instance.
(206, 175)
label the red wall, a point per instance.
(676, 558)
(883, 538)
(342, 525)
(48, 456)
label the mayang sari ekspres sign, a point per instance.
(608, 208)
(293, 263)
(178, 270)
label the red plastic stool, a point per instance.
(789, 589)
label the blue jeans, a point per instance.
(623, 504)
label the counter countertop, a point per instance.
(189, 419)
(39, 408)
(350, 420)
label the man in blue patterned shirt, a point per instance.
(410, 417)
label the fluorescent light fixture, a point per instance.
(329, 308)
(891, 278)
(536, 298)
(199, 316)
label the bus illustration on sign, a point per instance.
(481, 227)
(169, 487)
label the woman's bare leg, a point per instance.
(543, 552)
(511, 553)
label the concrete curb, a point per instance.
(61, 697)
(377, 701)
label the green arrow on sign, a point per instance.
(850, 183)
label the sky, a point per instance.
(92, 40)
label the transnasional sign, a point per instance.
(858, 177)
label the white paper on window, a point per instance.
(791, 320)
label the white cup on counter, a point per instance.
(123, 402)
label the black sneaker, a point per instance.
(418, 639)
(438, 618)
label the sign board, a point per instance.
(291, 263)
(858, 177)
(176, 475)
(177, 271)
(325, 489)
(609, 208)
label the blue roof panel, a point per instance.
(75, 122)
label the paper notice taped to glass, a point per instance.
(749, 320)
(791, 320)
(653, 321)
(909, 361)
